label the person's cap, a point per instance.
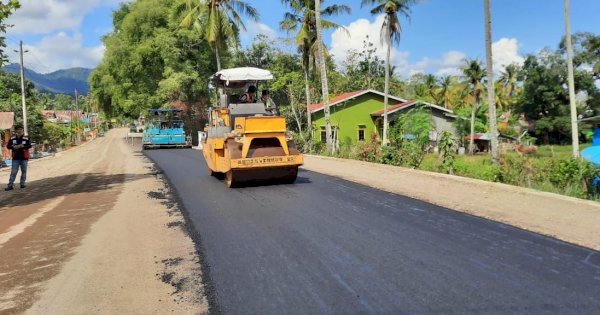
(18, 127)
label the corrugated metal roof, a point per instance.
(7, 119)
(479, 136)
(393, 108)
(62, 116)
(335, 100)
(350, 95)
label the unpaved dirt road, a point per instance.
(95, 232)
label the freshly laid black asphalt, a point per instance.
(329, 246)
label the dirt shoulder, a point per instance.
(565, 218)
(94, 232)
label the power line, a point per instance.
(38, 64)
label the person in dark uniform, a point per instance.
(19, 144)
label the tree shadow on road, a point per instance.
(49, 188)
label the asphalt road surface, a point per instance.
(329, 246)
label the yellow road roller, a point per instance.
(246, 140)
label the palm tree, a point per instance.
(446, 91)
(431, 82)
(501, 98)
(302, 19)
(509, 78)
(574, 129)
(390, 33)
(490, 82)
(218, 21)
(473, 73)
(323, 70)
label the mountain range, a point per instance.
(61, 81)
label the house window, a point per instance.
(361, 135)
(334, 132)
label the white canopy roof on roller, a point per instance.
(226, 76)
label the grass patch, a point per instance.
(552, 169)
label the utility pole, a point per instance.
(23, 87)
(574, 129)
(78, 118)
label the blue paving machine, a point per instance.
(164, 129)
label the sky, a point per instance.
(440, 34)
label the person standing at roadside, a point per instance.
(19, 144)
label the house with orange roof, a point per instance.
(359, 114)
(7, 120)
(62, 116)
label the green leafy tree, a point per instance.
(54, 134)
(10, 101)
(6, 9)
(409, 137)
(587, 51)
(363, 69)
(151, 62)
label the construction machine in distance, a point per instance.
(248, 141)
(164, 129)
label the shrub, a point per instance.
(411, 153)
(54, 134)
(389, 155)
(301, 143)
(345, 149)
(319, 147)
(574, 177)
(446, 152)
(369, 151)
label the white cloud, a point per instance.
(60, 51)
(47, 16)
(343, 41)
(505, 52)
(256, 28)
(59, 22)
(447, 65)
(352, 37)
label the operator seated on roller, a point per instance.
(248, 97)
(269, 105)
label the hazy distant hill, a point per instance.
(61, 81)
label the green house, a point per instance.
(358, 115)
